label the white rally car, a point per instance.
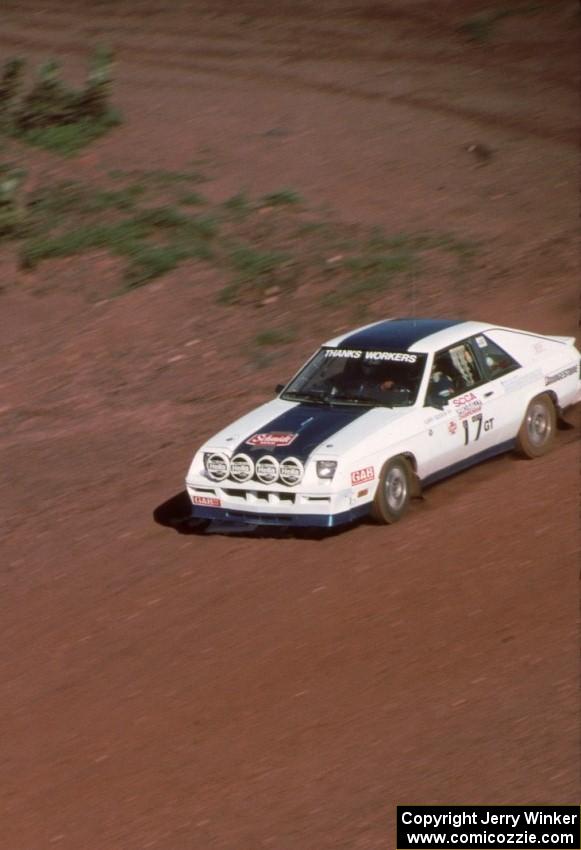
(378, 413)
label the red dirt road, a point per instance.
(188, 692)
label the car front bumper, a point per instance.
(290, 520)
(256, 506)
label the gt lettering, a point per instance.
(479, 424)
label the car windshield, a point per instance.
(354, 376)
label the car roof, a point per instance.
(421, 335)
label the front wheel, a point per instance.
(537, 432)
(394, 491)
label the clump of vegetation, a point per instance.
(263, 251)
(255, 271)
(192, 199)
(12, 201)
(480, 28)
(371, 273)
(283, 197)
(239, 205)
(273, 337)
(53, 115)
(10, 88)
(159, 177)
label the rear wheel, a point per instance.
(394, 491)
(537, 432)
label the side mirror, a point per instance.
(279, 388)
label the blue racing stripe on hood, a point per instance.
(309, 425)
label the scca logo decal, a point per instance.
(360, 476)
(464, 399)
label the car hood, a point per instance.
(285, 429)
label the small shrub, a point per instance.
(480, 28)
(48, 103)
(52, 115)
(192, 199)
(56, 205)
(121, 238)
(151, 261)
(10, 88)
(93, 101)
(284, 197)
(12, 202)
(68, 139)
(239, 204)
(274, 337)
(253, 269)
(164, 217)
(160, 177)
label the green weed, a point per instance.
(253, 270)
(162, 217)
(240, 205)
(192, 199)
(68, 139)
(284, 197)
(480, 28)
(158, 177)
(273, 337)
(148, 262)
(118, 238)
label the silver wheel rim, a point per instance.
(396, 489)
(539, 425)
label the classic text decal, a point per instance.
(209, 501)
(467, 404)
(391, 355)
(360, 476)
(558, 376)
(272, 439)
(355, 354)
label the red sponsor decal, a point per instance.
(452, 427)
(271, 439)
(360, 476)
(208, 501)
(461, 400)
(467, 404)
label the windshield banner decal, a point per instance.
(356, 354)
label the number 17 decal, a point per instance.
(486, 424)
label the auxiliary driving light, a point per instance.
(216, 465)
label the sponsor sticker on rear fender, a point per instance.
(559, 376)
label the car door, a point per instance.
(503, 403)
(470, 417)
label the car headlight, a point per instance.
(326, 468)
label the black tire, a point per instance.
(394, 491)
(537, 432)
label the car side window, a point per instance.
(495, 359)
(454, 371)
